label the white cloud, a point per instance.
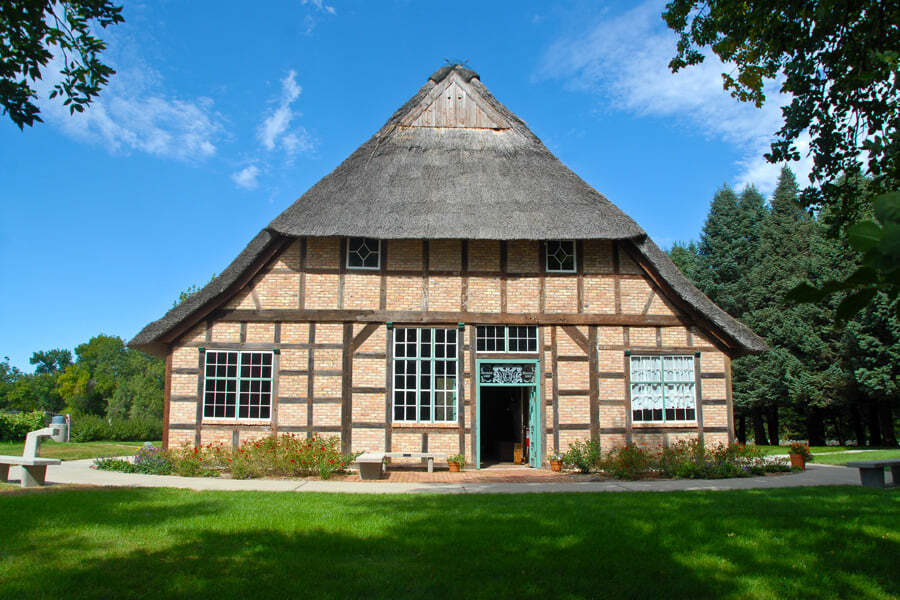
(134, 113)
(320, 4)
(625, 59)
(274, 132)
(247, 178)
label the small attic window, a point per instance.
(363, 253)
(561, 256)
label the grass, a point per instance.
(840, 542)
(841, 459)
(75, 450)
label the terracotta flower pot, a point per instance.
(454, 467)
(556, 465)
(798, 461)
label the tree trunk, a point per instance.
(815, 428)
(857, 425)
(886, 419)
(772, 422)
(741, 428)
(839, 431)
(872, 423)
(759, 430)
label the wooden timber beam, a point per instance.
(411, 316)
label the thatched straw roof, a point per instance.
(497, 183)
(494, 180)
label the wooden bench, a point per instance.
(871, 472)
(34, 469)
(371, 464)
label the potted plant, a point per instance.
(456, 462)
(800, 455)
(555, 459)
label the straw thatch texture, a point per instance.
(431, 182)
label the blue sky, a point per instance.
(222, 114)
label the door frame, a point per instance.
(535, 397)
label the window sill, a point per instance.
(443, 424)
(220, 421)
(684, 424)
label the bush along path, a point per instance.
(273, 456)
(685, 459)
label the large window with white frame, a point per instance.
(506, 338)
(561, 256)
(425, 374)
(663, 388)
(237, 385)
(363, 253)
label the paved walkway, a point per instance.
(504, 481)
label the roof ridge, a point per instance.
(441, 73)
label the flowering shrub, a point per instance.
(149, 460)
(685, 459)
(583, 455)
(273, 456)
(628, 462)
(801, 449)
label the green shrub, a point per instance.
(114, 464)
(15, 426)
(138, 429)
(584, 455)
(88, 428)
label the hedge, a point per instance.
(15, 426)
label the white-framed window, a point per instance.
(237, 385)
(663, 388)
(561, 256)
(425, 381)
(506, 338)
(363, 253)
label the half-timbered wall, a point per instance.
(329, 327)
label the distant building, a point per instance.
(451, 286)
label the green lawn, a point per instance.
(75, 450)
(840, 459)
(163, 543)
(769, 450)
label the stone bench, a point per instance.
(34, 469)
(871, 472)
(371, 464)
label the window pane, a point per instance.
(561, 256)
(363, 253)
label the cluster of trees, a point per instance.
(104, 378)
(824, 377)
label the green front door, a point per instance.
(534, 428)
(515, 373)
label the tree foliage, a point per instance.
(819, 378)
(32, 32)
(838, 61)
(106, 379)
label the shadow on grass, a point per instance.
(837, 542)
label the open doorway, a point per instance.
(504, 421)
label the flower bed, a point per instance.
(274, 456)
(682, 460)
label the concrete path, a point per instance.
(80, 472)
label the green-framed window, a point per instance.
(663, 388)
(237, 385)
(425, 374)
(506, 338)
